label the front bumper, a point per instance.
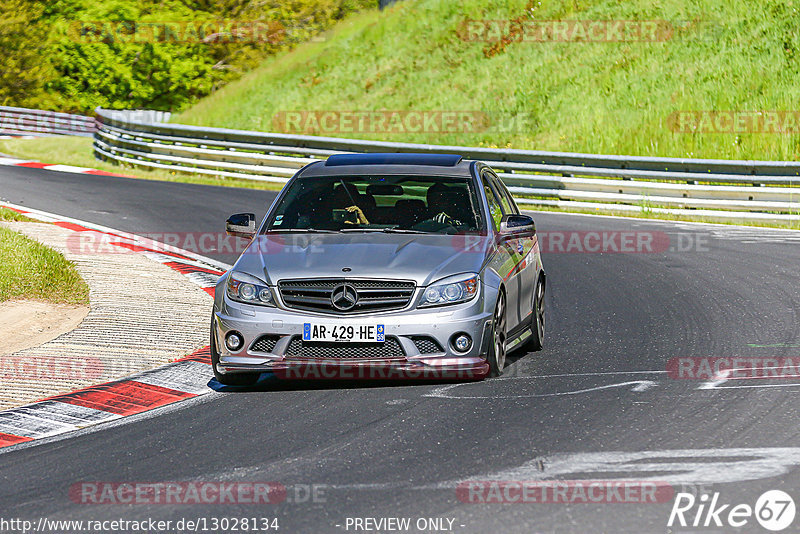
(440, 324)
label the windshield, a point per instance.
(413, 204)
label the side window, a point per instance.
(505, 197)
(495, 211)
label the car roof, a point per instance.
(437, 160)
(391, 163)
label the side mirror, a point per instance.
(517, 224)
(241, 225)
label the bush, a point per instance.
(74, 55)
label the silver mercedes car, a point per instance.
(381, 266)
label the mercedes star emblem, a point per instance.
(344, 297)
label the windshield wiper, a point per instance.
(402, 231)
(383, 230)
(300, 230)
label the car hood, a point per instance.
(423, 258)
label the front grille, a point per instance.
(426, 345)
(319, 350)
(265, 343)
(373, 295)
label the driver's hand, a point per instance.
(360, 217)
(446, 219)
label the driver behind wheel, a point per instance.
(441, 200)
(449, 205)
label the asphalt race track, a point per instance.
(597, 391)
(125, 204)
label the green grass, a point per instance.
(609, 97)
(7, 215)
(32, 271)
(77, 151)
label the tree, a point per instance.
(22, 38)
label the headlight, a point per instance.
(451, 290)
(246, 288)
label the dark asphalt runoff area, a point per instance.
(596, 404)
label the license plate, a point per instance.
(337, 332)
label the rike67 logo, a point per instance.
(774, 510)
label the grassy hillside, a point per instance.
(606, 97)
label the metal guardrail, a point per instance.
(22, 121)
(741, 189)
(138, 115)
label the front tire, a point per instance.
(536, 340)
(496, 356)
(230, 379)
